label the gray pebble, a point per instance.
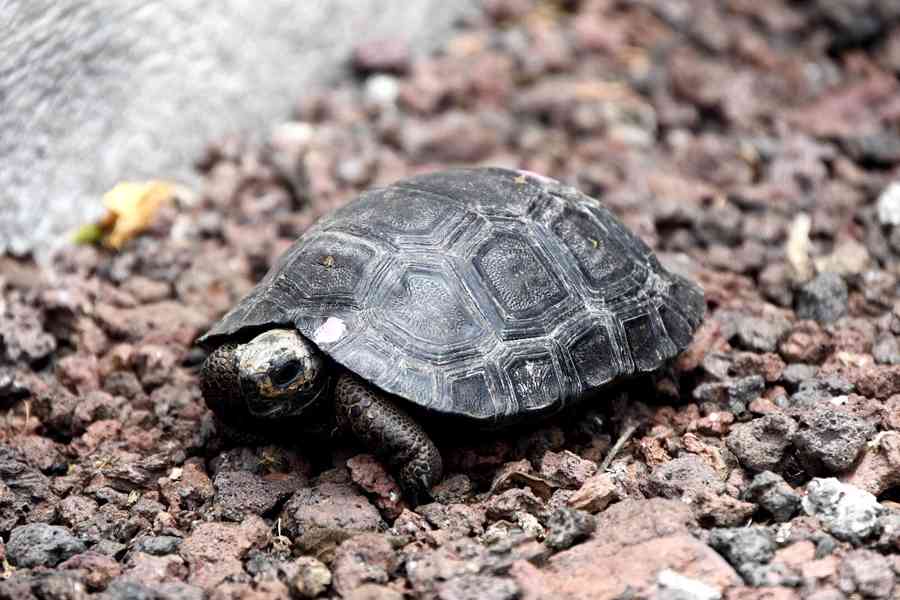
(760, 444)
(773, 494)
(159, 545)
(760, 334)
(886, 350)
(567, 526)
(794, 374)
(734, 394)
(41, 545)
(744, 545)
(824, 299)
(688, 474)
(829, 440)
(847, 512)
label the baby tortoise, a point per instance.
(491, 295)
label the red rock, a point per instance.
(807, 343)
(149, 570)
(632, 568)
(372, 591)
(879, 468)
(40, 452)
(892, 412)
(768, 364)
(456, 520)
(505, 505)
(213, 550)
(597, 492)
(79, 372)
(262, 590)
(881, 381)
(322, 515)
(154, 363)
(366, 558)
(97, 569)
(369, 474)
(569, 469)
(722, 510)
(188, 489)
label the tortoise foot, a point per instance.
(389, 433)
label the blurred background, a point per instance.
(92, 92)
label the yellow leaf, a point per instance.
(91, 233)
(132, 206)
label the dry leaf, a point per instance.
(131, 207)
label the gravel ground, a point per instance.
(753, 143)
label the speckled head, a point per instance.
(276, 374)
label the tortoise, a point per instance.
(479, 296)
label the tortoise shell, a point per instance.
(487, 293)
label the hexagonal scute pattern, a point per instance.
(490, 294)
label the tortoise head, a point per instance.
(278, 373)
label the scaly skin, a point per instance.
(386, 430)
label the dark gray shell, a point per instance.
(489, 293)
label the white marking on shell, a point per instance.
(330, 331)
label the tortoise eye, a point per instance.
(286, 372)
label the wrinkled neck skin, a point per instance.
(220, 383)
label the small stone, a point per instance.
(478, 587)
(214, 550)
(373, 591)
(381, 90)
(595, 495)
(773, 494)
(807, 343)
(98, 569)
(461, 520)
(369, 473)
(312, 577)
(886, 350)
(796, 373)
(847, 512)
(761, 334)
(453, 488)
(744, 545)
(675, 586)
(566, 467)
(760, 444)
(366, 558)
(507, 504)
(686, 475)
(889, 205)
(323, 515)
(868, 574)
(890, 532)
(159, 545)
(521, 472)
(829, 440)
(567, 526)
(722, 510)
(242, 493)
(824, 299)
(879, 468)
(734, 394)
(41, 545)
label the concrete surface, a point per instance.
(96, 91)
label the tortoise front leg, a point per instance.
(388, 432)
